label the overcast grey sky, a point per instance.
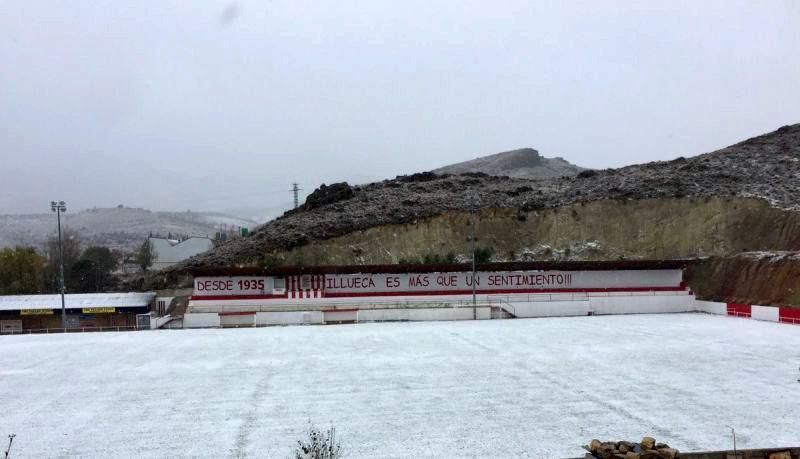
(205, 105)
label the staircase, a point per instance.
(502, 311)
(174, 313)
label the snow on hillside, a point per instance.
(521, 163)
(122, 228)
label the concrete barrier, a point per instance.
(238, 320)
(711, 307)
(551, 308)
(768, 313)
(423, 314)
(642, 304)
(290, 318)
(600, 303)
(319, 311)
(201, 320)
(780, 314)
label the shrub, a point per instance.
(271, 261)
(483, 255)
(318, 444)
(436, 259)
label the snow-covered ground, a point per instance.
(528, 387)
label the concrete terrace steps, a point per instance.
(322, 307)
(503, 311)
(410, 302)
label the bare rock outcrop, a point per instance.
(325, 195)
(521, 163)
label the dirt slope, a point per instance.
(663, 228)
(764, 278)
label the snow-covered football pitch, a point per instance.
(502, 388)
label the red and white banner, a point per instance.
(449, 283)
(511, 281)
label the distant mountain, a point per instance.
(121, 228)
(260, 215)
(521, 163)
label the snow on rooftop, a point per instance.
(76, 301)
(536, 388)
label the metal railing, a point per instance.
(47, 331)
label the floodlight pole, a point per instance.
(473, 201)
(59, 207)
(474, 299)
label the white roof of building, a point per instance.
(76, 301)
(169, 251)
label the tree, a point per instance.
(105, 260)
(92, 272)
(72, 253)
(22, 271)
(146, 255)
(83, 277)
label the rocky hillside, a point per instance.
(743, 197)
(522, 163)
(121, 228)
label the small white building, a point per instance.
(167, 252)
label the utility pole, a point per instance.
(295, 189)
(473, 201)
(59, 207)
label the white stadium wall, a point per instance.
(201, 320)
(780, 314)
(238, 320)
(241, 301)
(550, 308)
(423, 314)
(768, 313)
(640, 304)
(597, 305)
(711, 307)
(600, 305)
(434, 284)
(290, 318)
